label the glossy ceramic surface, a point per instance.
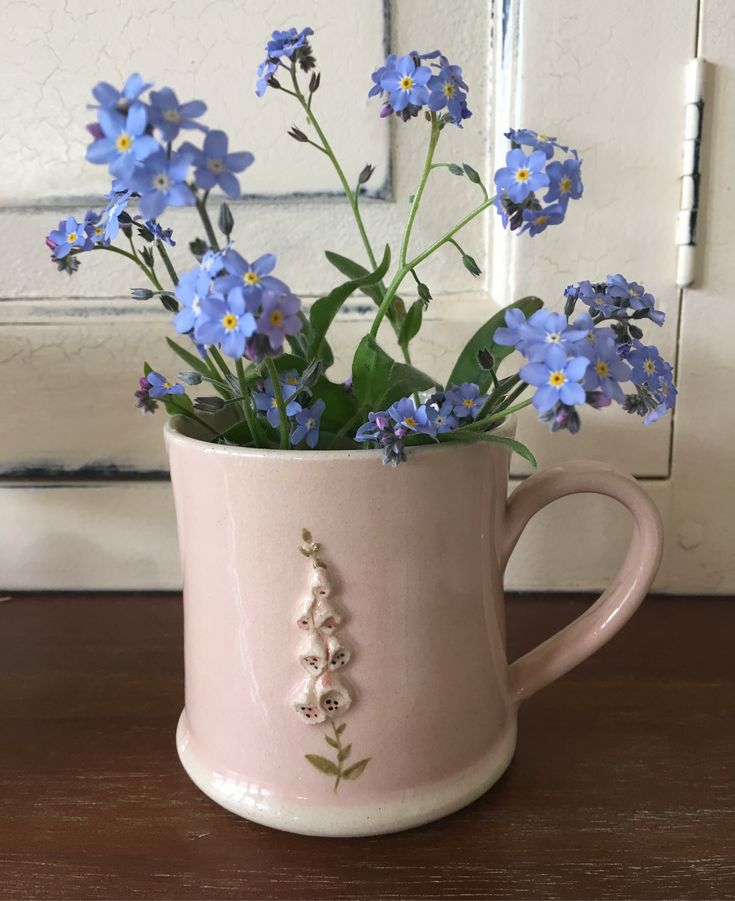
(410, 566)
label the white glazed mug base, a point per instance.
(414, 807)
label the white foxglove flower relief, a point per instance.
(324, 696)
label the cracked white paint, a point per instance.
(209, 51)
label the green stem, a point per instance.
(433, 139)
(447, 236)
(225, 369)
(497, 398)
(493, 417)
(167, 263)
(280, 403)
(191, 415)
(338, 739)
(201, 205)
(326, 147)
(247, 409)
(404, 270)
(138, 262)
(132, 246)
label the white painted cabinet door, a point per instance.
(83, 490)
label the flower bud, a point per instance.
(470, 265)
(366, 174)
(209, 404)
(226, 222)
(190, 378)
(297, 135)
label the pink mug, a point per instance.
(346, 671)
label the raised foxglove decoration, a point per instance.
(245, 336)
(324, 696)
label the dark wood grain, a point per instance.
(623, 786)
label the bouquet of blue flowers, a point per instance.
(266, 359)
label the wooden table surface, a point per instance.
(623, 785)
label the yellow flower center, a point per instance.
(602, 369)
(251, 278)
(215, 166)
(553, 337)
(292, 380)
(72, 236)
(407, 82)
(172, 115)
(124, 143)
(448, 89)
(544, 138)
(410, 422)
(649, 366)
(99, 230)
(468, 402)
(310, 424)
(276, 318)
(161, 182)
(229, 321)
(523, 174)
(167, 385)
(557, 379)
(565, 185)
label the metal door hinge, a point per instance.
(686, 226)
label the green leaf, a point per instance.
(177, 404)
(147, 368)
(371, 368)
(357, 769)
(455, 169)
(289, 361)
(324, 310)
(467, 368)
(238, 434)
(196, 363)
(472, 174)
(354, 270)
(344, 753)
(322, 764)
(306, 535)
(340, 405)
(341, 729)
(411, 324)
(331, 742)
(378, 380)
(514, 445)
(404, 380)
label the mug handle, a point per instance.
(582, 637)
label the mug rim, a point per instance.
(174, 435)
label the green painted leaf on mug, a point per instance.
(331, 742)
(357, 769)
(344, 753)
(322, 764)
